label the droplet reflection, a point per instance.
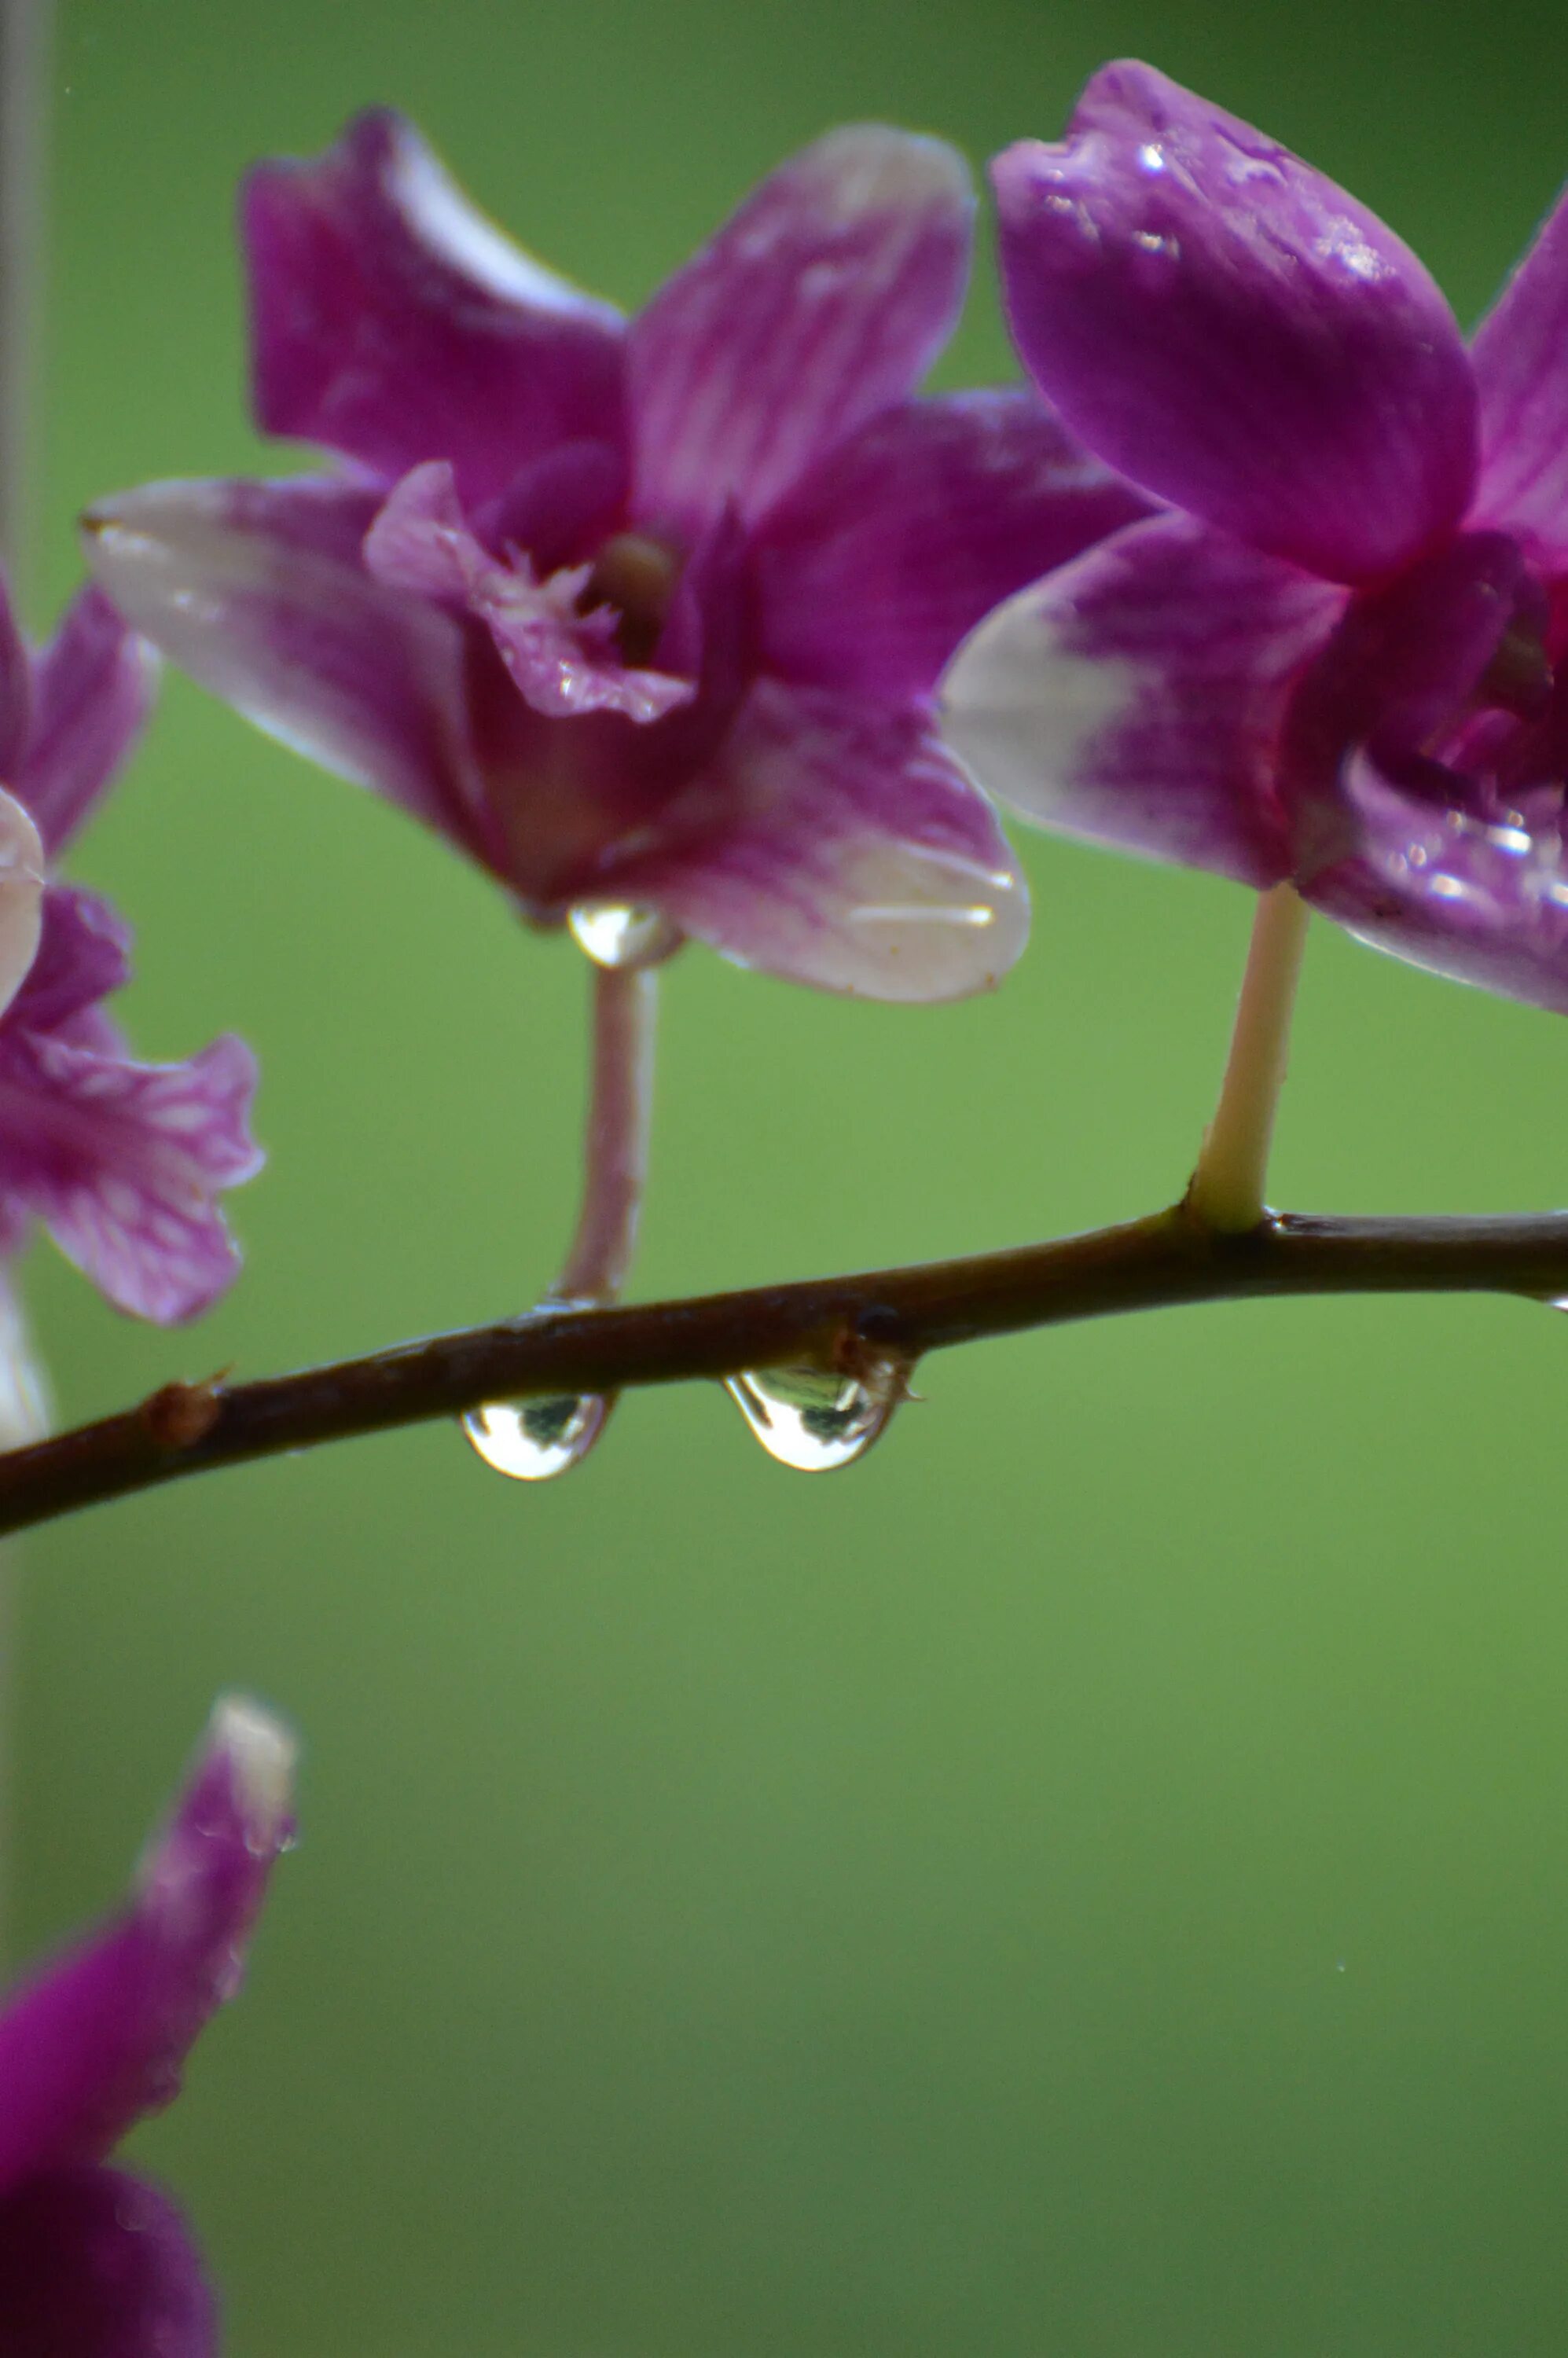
(531, 1440)
(815, 1419)
(615, 935)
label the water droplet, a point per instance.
(615, 934)
(815, 1419)
(529, 1441)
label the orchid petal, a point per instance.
(564, 661)
(824, 298)
(21, 896)
(97, 2040)
(123, 1162)
(258, 591)
(1401, 668)
(833, 842)
(1482, 902)
(94, 2264)
(561, 508)
(882, 558)
(392, 322)
(93, 690)
(83, 955)
(1135, 698)
(1520, 355)
(1232, 331)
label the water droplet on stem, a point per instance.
(814, 1418)
(533, 1440)
(615, 934)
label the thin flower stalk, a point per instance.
(616, 1143)
(1228, 1186)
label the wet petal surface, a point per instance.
(563, 660)
(835, 841)
(1230, 330)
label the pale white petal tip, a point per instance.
(24, 1396)
(1022, 711)
(261, 1752)
(870, 168)
(21, 896)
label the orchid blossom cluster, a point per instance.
(710, 625)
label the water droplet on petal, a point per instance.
(815, 1419)
(616, 934)
(531, 1440)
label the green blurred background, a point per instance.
(1092, 1880)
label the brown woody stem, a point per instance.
(1166, 1258)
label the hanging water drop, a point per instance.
(530, 1441)
(616, 934)
(815, 1419)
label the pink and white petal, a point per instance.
(1135, 698)
(95, 2264)
(97, 2040)
(392, 322)
(21, 896)
(564, 661)
(124, 1162)
(83, 955)
(259, 591)
(1234, 332)
(833, 841)
(1481, 903)
(824, 297)
(1521, 357)
(15, 691)
(93, 690)
(881, 558)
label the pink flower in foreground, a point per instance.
(642, 613)
(122, 1162)
(93, 2263)
(1341, 657)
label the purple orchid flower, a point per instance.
(640, 615)
(95, 2264)
(1338, 658)
(121, 1161)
